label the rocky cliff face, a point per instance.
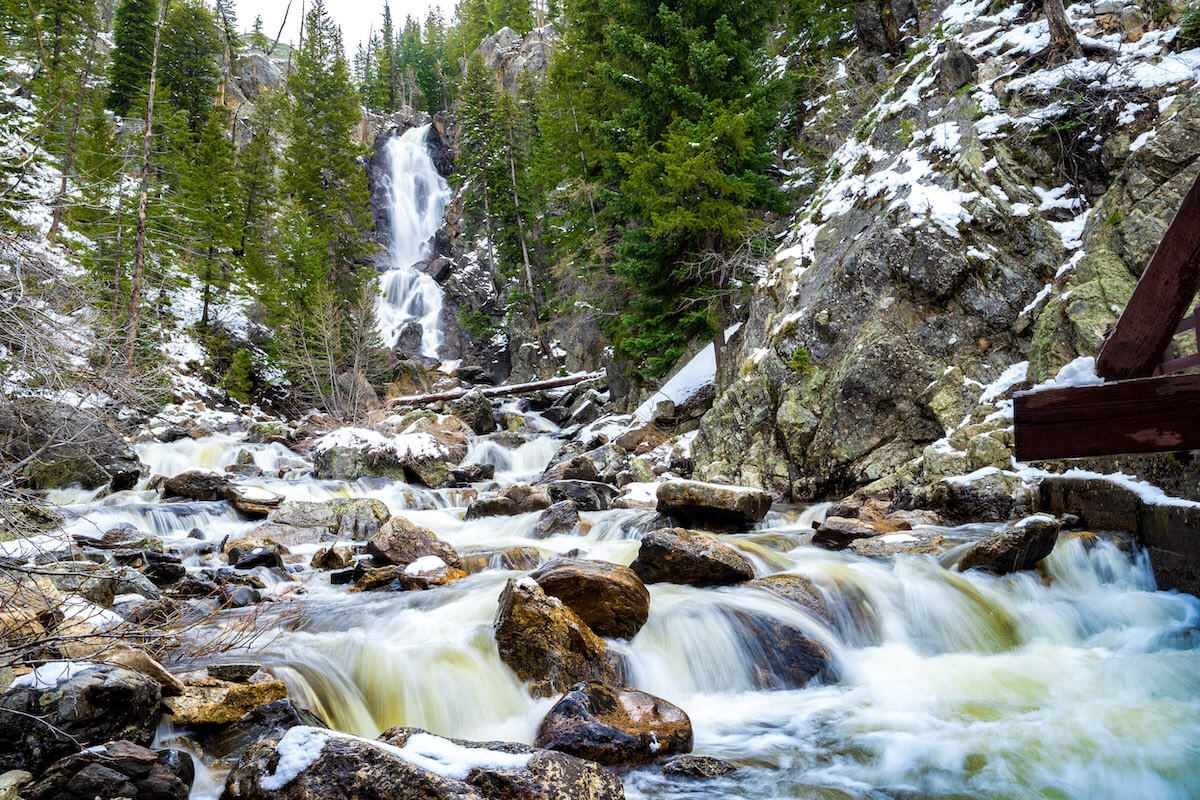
(984, 210)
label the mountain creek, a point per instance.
(1078, 679)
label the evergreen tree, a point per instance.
(188, 60)
(133, 50)
(259, 39)
(324, 173)
(257, 192)
(209, 200)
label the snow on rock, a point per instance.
(425, 564)
(48, 676)
(297, 751)
(688, 382)
(404, 445)
(1080, 372)
(451, 760)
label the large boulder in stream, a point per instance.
(303, 522)
(62, 707)
(474, 409)
(560, 518)
(418, 447)
(615, 726)
(516, 498)
(546, 643)
(675, 555)
(610, 598)
(401, 542)
(309, 763)
(1020, 545)
(197, 484)
(693, 502)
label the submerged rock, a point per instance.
(546, 643)
(610, 598)
(614, 726)
(271, 720)
(518, 558)
(196, 484)
(401, 542)
(889, 544)
(693, 502)
(799, 590)
(62, 707)
(1021, 545)
(514, 499)
(836, 533)
(118, 769)
(410, 764)
(783, 656)
(675, 555)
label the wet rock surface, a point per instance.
(675, 555)
(697, 767)
(694, 502)
(546, 643)
(783, 656)
(615, 726)
(401, 542)
(116, 769)
(1021, 545)
(610, 598)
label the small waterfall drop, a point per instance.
(417, 198)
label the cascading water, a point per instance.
(1080, 681)
(417, 199)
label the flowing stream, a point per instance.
(418, 197)
(1080, 681)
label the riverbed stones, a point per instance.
(799, 590)
(61, 708)
(676, 555)
(1019, 546)
(546, 643)
(578, 468)
(694, 502)
(271, 720)
(610, 598)
(330, 558)
(516, 558)
(836, 533)
(116, 769)
(92, 582)
(614, 726)
(586, 495)
(401, 542)
(410, 764)
(300, 522)
(560, 518)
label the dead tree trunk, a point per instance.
(1064, 44)
(139, 252)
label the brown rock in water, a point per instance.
(836, 533)
(615, 726)
(697, 767)
(610, 598)
(349, 767)
(336, 557)
(211, 701)
(196, 484)
(118, 769)
(1021, 545)
(402, 542)
(703, 503)
(517, 498)
(579, 468)
(675, 555)
(546, 643)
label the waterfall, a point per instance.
(417, 196)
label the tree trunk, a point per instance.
(1064, 45)
(533, 305)
(139, 257)
(891, 28)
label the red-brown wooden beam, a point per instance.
(1148, 415)
(1136, 346)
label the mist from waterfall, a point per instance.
(417, 198)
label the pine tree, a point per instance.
(133, 50)
(209, 200)
(259, 39)
(188, 61)
(257, 192)
(324, 172)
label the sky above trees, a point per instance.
(357, 18)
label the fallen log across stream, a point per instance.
(494, 391)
